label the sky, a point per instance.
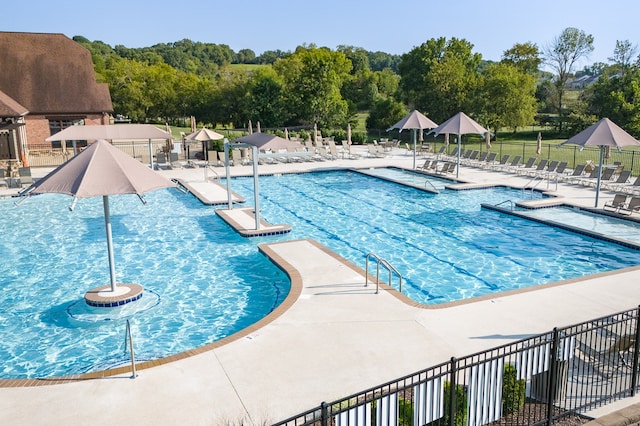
(392, 26)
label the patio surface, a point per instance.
(333, 337)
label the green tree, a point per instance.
(266, 103)
(312, 80)
(525, 56)
(508, 96)
(623, 55)
(385, 113)
(618, 98)
(562, 55)
(440, 77)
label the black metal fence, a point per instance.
(537, 380)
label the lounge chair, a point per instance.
(490, 160)
(592, 175)
(530, 171)
(25, 176)
(511, 166)
(503, 160)
(619, 201)
(526, 167)
(631, 188)
(632, 206)
(577, 173)
(623, 177)
(604, 178)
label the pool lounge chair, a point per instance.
(511, 166)
(630, 188)
(631, 207)
(527, 167)
(622, 179)
(25, 176)
(619, 201)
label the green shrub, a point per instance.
(513, 390)
(460, 409)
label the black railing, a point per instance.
(537, 380)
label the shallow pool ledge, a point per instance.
(243, 220)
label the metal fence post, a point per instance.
(551, 392)
(636, 348)
(452, 392)
(324, 417)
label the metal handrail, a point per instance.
(427, 181)
(128, 337)
(180, 186)
(535, 178)
(506, 201)
(387, 265)
(208, 167)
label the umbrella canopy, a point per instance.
(415, 121)
(605, 133)
(264, 141)
(101, 170)
(460, 124)
(110, 132)
(204, 135)
(250, 127)
(348, 133)
(286, 133)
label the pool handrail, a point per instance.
(387, 265)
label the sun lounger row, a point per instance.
(623, 204)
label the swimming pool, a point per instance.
(204, 282)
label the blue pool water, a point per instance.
(204, 282)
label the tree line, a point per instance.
(167, 82)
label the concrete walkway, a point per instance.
(331, 338)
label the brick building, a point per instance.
(47, 83)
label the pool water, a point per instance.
(445, 246)
(204, 282)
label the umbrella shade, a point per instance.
(415, 121)
(539, 144)
(460, 124)
(110, 132)
(101, 169)
(605, 133)
(266, 141)
(203, 135)
(348, 133)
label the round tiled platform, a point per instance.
(103, 297)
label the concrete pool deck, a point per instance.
(333, 337)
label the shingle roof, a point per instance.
(50, 74)
(9, 107)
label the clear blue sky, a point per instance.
(392, 26)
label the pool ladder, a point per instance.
(428, 183)
(128, 338)
(381, 262)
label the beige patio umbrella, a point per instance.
(487, 140)
(266, 141)
(460, 124)
(415, 121)
(604, 134)
(192, 123)
(204, 135)
(101, 170)
(258, 128)
(315, 134)
(286, 133)
(250, 127)
(348, 133)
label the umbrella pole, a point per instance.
(414, 149)
(256, 189)
(599, 174)
(107, 224)
(458, 166)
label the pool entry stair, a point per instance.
(385, 264)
